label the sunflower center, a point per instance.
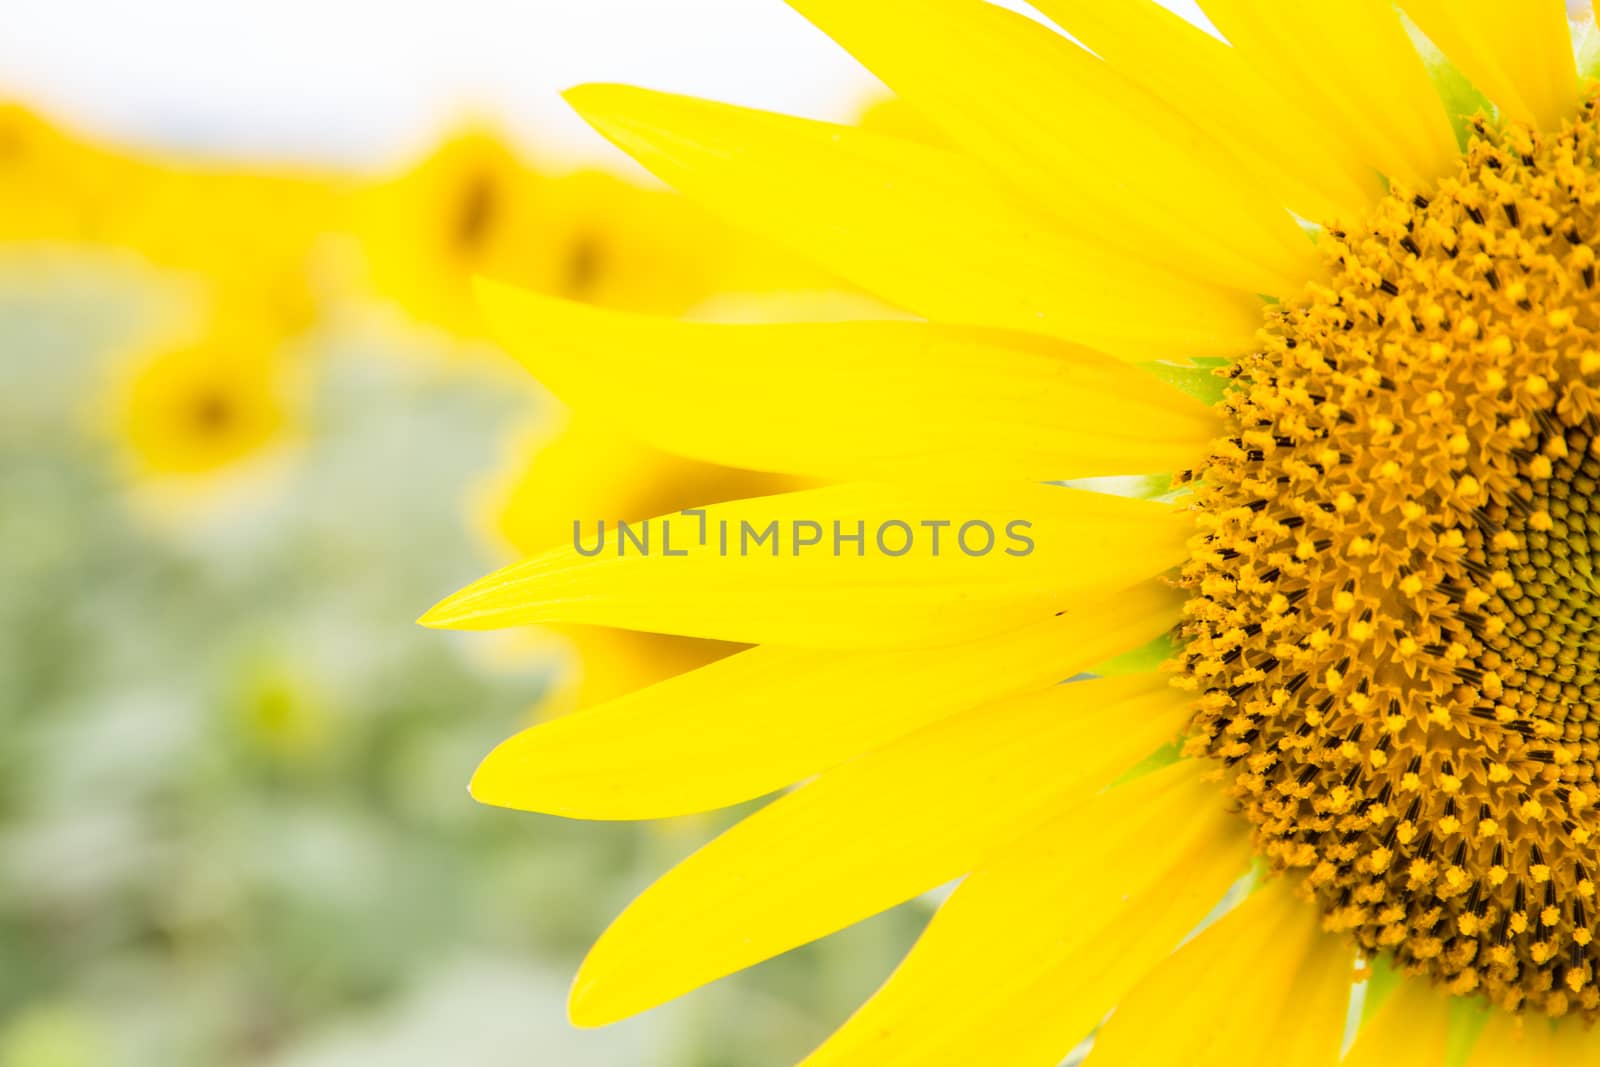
(477, 211)
(1394, 591)
(211, 412)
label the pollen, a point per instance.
(1394, 592)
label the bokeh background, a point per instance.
(250, 428)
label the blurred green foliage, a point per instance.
(234, 827)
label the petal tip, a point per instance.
(480, 787)
(592, 98)
(443, 615)
(489, 784)
(588, 1008)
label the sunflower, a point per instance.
(206, 403)
(474, 206)
(1376, 567)
(456, 211)
(251, 237)
(56, 185)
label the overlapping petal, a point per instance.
(1350, 64)
(1269, 134)
(928, 229)
(1531, 1042)
(1109, 158)
(858, 399)
(765, 718)
(738, 571)
(1034, 948)
(1262, 987)
(1412, 1026)
(921, 812)
(1518, 54)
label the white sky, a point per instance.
(368, 81)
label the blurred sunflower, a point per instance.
(250, 236)
(466, 207)
(475, 207)
(55, 185)
(634, 248)
(204, 404)
(1382, 558)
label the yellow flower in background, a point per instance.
(475, 207)
(281, 714)
(55, 185)
(240, 246)
(207, 403)
(651, 250)
(251, 236)
(465, 208)
(1383, 568)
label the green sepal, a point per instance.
(1198, 378)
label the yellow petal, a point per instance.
(1034, 948)
(557, 467)
(1115, 162)
(1518, 54)
(857, 399)
(1411, 1027)
(922, 227)
(893, 117)
(1262, 987)
(783, 569)
(868, 835)
(1205, 80)
(1532, 1042)
(1350, 63)
(692, 743)
(593, 664)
